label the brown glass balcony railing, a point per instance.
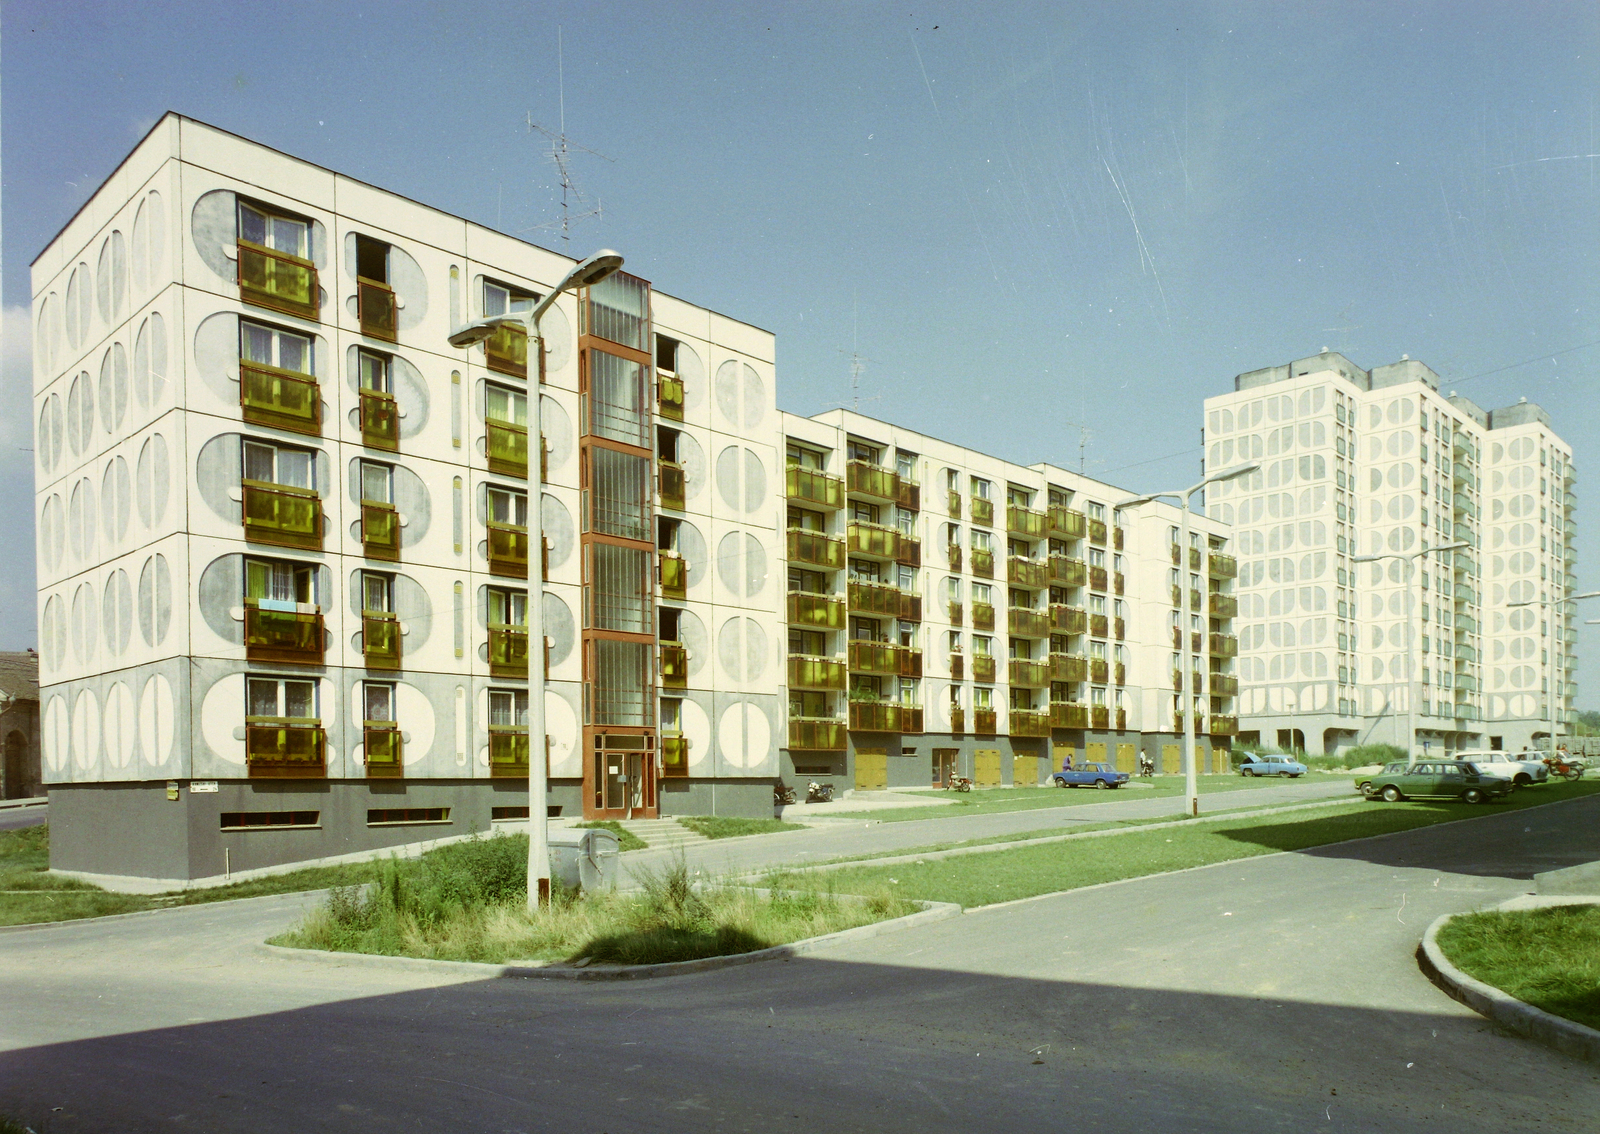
(377, 310)
(380, 421)
(1098, 578)
(873, 540)
(1028, 722)
(506, 444)
(1223, 606)
(1119, 718)
(674, 754)
(952, 555)
(1099, 716)
(1033, 674)
(958, 721)
(956, 613)
(1117, 582)
(1194, 557)
(1196, 640)
(1069, 667)
(909, 553)
(380, 640)
(874, 716)
(1099, 670)
(983, 562)
(283, 635)
(508, 651)
(813, 486)
(817, 734)
(1026, 522)
(957, 666)
(672, 574)
(865, 479)
(984, 722)
(278, 281)
(910, 607)
(816, 549)
(1031, 573)
(1099, 625)
(953, 504)
(1119, 673)
(282, 516)
(983, 616)
(669, 398)
(508, 550)
(285, 748)
(280, 399)
(910, 662)
(1068, 572)
(380, 531)
(826, 612)
(670, 485)
(983, 512)
(1223, 566)
(384, 747)
(1224, 685)
(983, 668)
(1097, 532)
(1224, 645)
(508, 752)
(1116, 539)
(1119, 628)
(1066, 522)
(880, 658)
(1068, 714)
(908, 494)
(911, 719)
(506, 351)
(874, 598)
(1068, 619)
(807, 672)
(1195, 676)
(674, 665)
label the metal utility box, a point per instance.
(584, 858)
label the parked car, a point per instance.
(1272, 766)
(1436, 779)
(1522, 768)
(1101, 776)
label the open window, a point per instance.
(376, 305)
(669, 386)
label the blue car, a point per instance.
(1102, 776)
(1272, 766)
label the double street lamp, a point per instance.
(1191, 786)
(1545, 604)
(590, 271)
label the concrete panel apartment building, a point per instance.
(1356, 463)
(285, 546)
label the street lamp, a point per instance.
(1191, 786)
(1546, 604)
(590, 271)
(1410, 558)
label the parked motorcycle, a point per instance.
(782, 794)
(1147, 767)
(819, 793)
(959, 783)
(1566, 769)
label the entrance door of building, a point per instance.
(944, 766)
(621, 777)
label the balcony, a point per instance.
(955, 612)
(280, 399)
(1196, 640)
(952, 555)
(1464, 593)
(1224, 726)
(384, 747)
(1194, 557)
(873, 540)
(911, 719)
(825, 612)
(283, 635)
(953, 504)
(1461, 504)
(377, 310)
(806, 672)
(1222, 566)
(1099, 716)
(669, 404)
(813, 486)
(909, 497)
(910, 553)
(983, 562)
(1224, 646)
(1025, 623)
(1097, 532)
(1117, 582)
(1119, 673)
(983, 669)
(674, 665)
(1464, 531)
(1068, 619)
(864, 479)
(873, 598)
(1461, 474)
(1026, 522)
(380, 639)
(1067, 523)
(508, 651)
(1195, 676)
(285, 748)
(1099, 670)
(1117, 538)
(1466, 624)
(380, 531)
(983, 512)
(1119, 628)
(1032, 674)
(958, 721)
(1195, 603)
(875, 716)
(882, 658)
(1069, 667)
(380, 421)
(816, 549)
(670, 487)
(1068, 572)
(672, 574)
(1028, 722)
(1068, 714)
(957, 666)
(1031, 573)
(1462, 563)
(816, 734)
(674, 754)
(983, 616)
(278, 281)
(1224, 685)
(984, 722)
(1098, 578)
(507, 447)
(508, 550)
(1224, 606)
(508, 752)
(506, 351)
(1099, 625)
(282, 516)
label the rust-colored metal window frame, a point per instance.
(381, 645)
(278, 281)
(383, 749)
(281, 515)
(297, 637)
(380, 531)
(285, 748)
(380, 420)
(264, 400)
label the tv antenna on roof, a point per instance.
(561, 148)
(857, 359)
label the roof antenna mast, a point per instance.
(561, 148)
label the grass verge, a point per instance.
(1549, 958)
(730, 826)
(467, 903)
(990, 801)
(1026, 872)
(626, 839)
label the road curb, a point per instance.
(1566, 1036)
(930, 912)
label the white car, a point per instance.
(1522, 769)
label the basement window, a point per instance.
(264, 820)
(397, 816)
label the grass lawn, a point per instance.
(1549, 958)
(626, 839)
(728, 826)
(1026, 872)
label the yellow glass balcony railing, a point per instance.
(276, 280)
(280, 399)
(671, 485)
(290, 635)
(508, 651)
(1068, 572)
(1066, 522)
(280, 515)
(983, 562)
(1068, 619)
(508, 752)
(866, 479)
(874, 598)
(956, 613)
(1069, 667)
(1120, 718)
(1224, 685)
(1223, 606)
(672, 573)
(817, 734)
(384, 747)
(881, 658)
(1099, 625)
(377, 310)
(1028, 722)
(1024, 623)
(1099, 670)
(1117, 582)
(958, 721)
(1026, 522)
(674, 754)
(1224, 645)
(983, 616)
(911, 719)
(816, 549)
(507, 447)
(909, 553)
(874, 540)
(669, 399)
(910, 607)
(814, 487)
(1069, 714)
(983, 512)
(380, 421)
(874, 716)
(1098, 577)
(983, 669)
(380, 640)
(1119, 628)
(958, 665)
(1223, 566)
(1194, 675)
(1033, 674)
(285, 747)
(908, 494)
(1116, 538)
(910, 662)
(674, 665)
(380, 531)
(826, 612)
(953, 504)
(952, 555)
(984, 722)
(1097, 532)
(506, 351)
(1119, 673)
(508, 550)
(807, 672)
(1032, 573)
(1099, 716)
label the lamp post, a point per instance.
(590, 271)
(1410, 558)
(1191, 785)
(1546, 604)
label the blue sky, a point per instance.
(1027, 218)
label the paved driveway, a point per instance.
(1273, 994)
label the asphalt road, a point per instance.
(1274, 994)
(12, 818)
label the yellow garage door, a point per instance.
(872, 769)
(986, 767)
(1094, 753)
(1025, 771)
(1221, 761)
(1125, 758)
(1171, 759)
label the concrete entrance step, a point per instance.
(663, 833)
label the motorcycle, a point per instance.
(1147, 767)
(819, 793)
(782, 794)
(1566, 769)
(959, 783)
